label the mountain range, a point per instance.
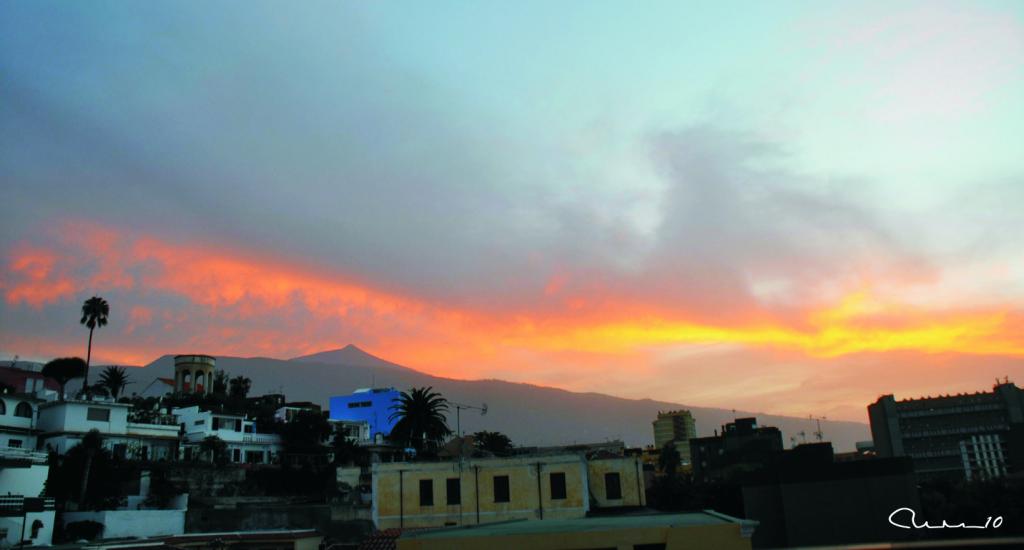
(527, 413)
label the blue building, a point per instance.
(371, 405)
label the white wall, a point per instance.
(9, 420)
(133, 523)
(14, 526)
(28, 441)
(72, 416)
(23, 481)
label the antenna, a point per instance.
(458, 416)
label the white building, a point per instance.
(244, 444)
(357, 431)
(126, 433)
(18, 413)
(24, 514)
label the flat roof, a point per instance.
(589, 524)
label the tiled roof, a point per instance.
(385, 539)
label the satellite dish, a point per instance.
(483, 409)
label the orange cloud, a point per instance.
(255, 303)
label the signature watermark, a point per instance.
(905, 518)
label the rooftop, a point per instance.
(604, 523)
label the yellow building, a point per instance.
(690, 531)
(485, 490)
(677, 426)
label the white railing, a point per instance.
(261, 438)
(23, 454)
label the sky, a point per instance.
(787, 207)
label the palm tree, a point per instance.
(114, 379)
(239, 387)
(94, 314)
(493, 442)
(63, 370)
(420, 419)
(92, 443)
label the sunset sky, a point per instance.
(788, 207)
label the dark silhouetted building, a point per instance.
(807, 497)
(954, 436)
(742, 446)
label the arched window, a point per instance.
(3, 407)
(186, 381)
(23, 410)
(200, 381)
(36, 526)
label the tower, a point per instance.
(194, 373)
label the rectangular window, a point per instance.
(557, 486)
(612, 486)
(200, 422)
(120, 450)
(98, 415)
(236, 455)
(454, 490)
(216, 423)
(359, 404)
(501, 489)
(14, 443)
(426, 492)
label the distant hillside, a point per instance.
(529, 414)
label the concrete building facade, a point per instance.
(955, 436)
(677, 427)
(63, 424)
(24, 514)
(194, 373)
(244, 443)
(486, 490)
(370, 405)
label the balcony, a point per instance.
(16, 505)
(27, 455)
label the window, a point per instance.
(501, 489)
(98, 415)
(236, 455)
(200, 422)
(359, 404)
(558, 486)
(454, 490)
(612, 486)
(120, 450)
(23, 410)
(3, 407)
(14, 443)
(426, 492)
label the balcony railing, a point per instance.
(152, 418)
(23, 454)
(19, 504)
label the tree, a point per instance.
(239, 387)
(304, 435)
(94, 314)
(91, 444)
(669, 459)
(347, 451)
(493, 442)
(114, 379)
(220, 383)
(64, 370)
(420, 419)
(215, 448)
